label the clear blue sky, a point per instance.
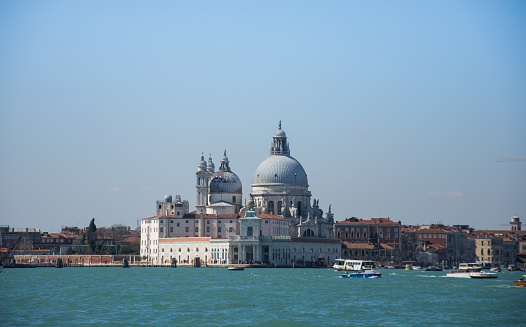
(396, 109)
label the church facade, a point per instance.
(278, 226)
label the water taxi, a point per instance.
(471, 270)
(520, 282)
(360, 269)
(235, 268)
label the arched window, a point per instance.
(280, 204)
(271, 207)
(299, 208)
(308, 233)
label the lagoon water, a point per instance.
(254, 297)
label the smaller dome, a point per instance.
(210, 164)
(167, 198)
(225, 182)
(280, 133)
(202, 162)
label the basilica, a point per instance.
(279, 226)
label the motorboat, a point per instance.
(483, 274)
(432, 268)
(470, 270)
(521, 281)
(363, 274)
(360, 269)
(235, 268)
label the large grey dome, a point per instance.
(278, 169)
(225, 182)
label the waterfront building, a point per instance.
(453, 244)
(277, 227)
(501, 247)
(376, 239)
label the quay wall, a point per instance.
(76, 260)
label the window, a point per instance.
(219, 229)
(187, 221)
(162, 229)
(186, 229)
(249, 231)
(172, 206)
(162, 221)
(160, 207)
(171, 229)
(208, 229)
(208, 222)
(197, 229)
(280, 204)
(177, 224)
(230, 229)
(231, 221)
(271, 207)
(234, 199)
(266, 221)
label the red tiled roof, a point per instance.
(372, 221)
(365, 246)
(131, 239)
(269, 216)
(431, 231)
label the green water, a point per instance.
(254, 297)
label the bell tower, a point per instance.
(203, 174)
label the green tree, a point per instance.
(92, 236)
(70, 251)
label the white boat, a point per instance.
(363, 274)
(235, 268)
(360, 269)
(483, 274)
(339, 264)
(470, 270)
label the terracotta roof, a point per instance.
(131, 239)
(372, 221)
(365, 246)
(269, 216)
(160, 217)
(434, 230)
